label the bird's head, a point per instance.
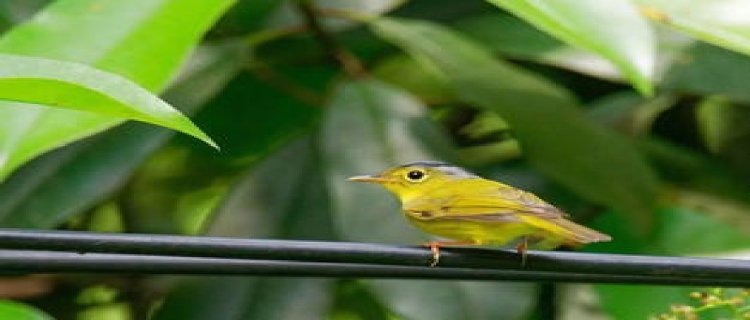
(413, 179)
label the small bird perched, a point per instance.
(453, 203)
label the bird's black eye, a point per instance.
(415, 175)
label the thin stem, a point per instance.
(267, 35)
(349, 63)
(347, 14)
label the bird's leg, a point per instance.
(435, 248)
(521, 249)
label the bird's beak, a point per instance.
(369, 178)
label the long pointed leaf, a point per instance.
(51, 188)
(76, 86)
(722, 23)
(143, 40)
(610, 28)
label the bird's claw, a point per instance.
(435, 249)
(521, 249)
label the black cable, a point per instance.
(15, 261)
(615, 266)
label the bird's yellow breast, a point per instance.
(496, 233)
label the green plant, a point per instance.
(629, 114)
(716, 303)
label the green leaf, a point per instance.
(718, 121)
(516, 39)
(508, 35)
(67, 181)
(725, 129)
(612, 29)
(555, 136)
(691, 170)
(206, 298)
(681, 224)
(19, 311)
(145, 41)
(12, 12)
(404, 72)
(246, 16)
(705, 69)
(719, 22)
(629, 112)
(79, 87)
(354, 300)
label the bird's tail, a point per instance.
(578, 234)
(566, 232)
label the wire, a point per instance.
(13, 261)
(187, 255)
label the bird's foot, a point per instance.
(521, 249)
(435, 248)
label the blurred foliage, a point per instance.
(15, 310)
(716, 303)
(632, 115)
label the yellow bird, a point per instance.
(450, 202)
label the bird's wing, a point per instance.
(507, 201)
(486, 202)
(496, 202)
